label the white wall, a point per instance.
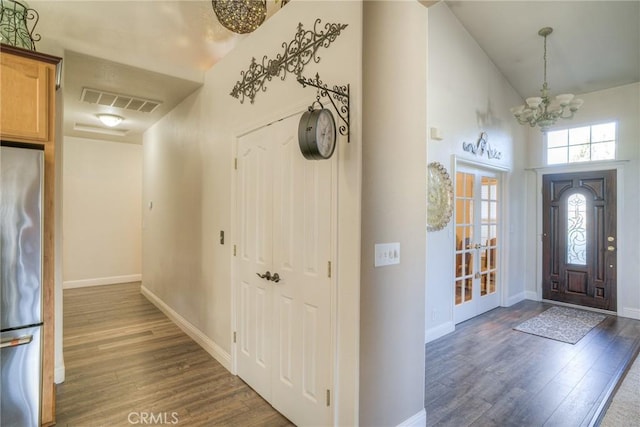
(468, 95)
(620, 104)
(393, 206)
(188, 175)
(102, 212)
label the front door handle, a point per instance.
(266, 275)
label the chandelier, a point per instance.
(543, 110)
(240, 16)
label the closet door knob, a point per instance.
(275, 277)
(266, 275)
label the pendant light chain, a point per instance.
(543, 110)
(544, 86)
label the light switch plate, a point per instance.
(386, 254)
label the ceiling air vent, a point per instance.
(125, 102)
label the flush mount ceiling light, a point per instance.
(110, 120)
(240, 16)
(543, 110)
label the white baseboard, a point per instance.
(516, 299)
(531, 295)
(417, 420)
(59, 374)
(204, 341)
(98, 281)
(436, 332)
(632, 313)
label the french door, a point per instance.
(477, 244)
(579, 238)
(283, 291)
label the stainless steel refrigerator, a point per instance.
(21, 207)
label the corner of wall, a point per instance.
(439, 331)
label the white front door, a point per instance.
(284, 325)
(477, 228)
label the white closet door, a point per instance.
(284, 327)
(255, 307)
(302, 249)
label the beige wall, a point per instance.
(467, 95)
(188, 175)
(394, 210)
(102, 213)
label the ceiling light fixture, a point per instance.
(110, 120)
(543, 110)
(240, 16)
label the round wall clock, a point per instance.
(317, 134)
(439, 197)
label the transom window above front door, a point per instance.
(581, 144)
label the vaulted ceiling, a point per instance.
(159, 50)
(594, 44)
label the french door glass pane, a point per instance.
(464, 236)
(476, 236)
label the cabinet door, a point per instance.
(25, 99)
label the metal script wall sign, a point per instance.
(297, 53)
(481, 147)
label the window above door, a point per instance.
(581, 144)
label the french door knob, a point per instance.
(611, 248)
(266, 275)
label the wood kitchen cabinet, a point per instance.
(27, 116)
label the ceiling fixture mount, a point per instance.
(543, 110)
(240, 16)
(110, 120)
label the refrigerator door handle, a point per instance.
(14, 342)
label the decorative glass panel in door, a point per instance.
(476, 242)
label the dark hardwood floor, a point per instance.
(128, 364)
(487, 374)
(126, 360)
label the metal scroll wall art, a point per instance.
(17, 22)
(297, 53)
(482, 147)
(339, 94)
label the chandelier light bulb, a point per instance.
(544, 111)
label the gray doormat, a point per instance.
(561, 324)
